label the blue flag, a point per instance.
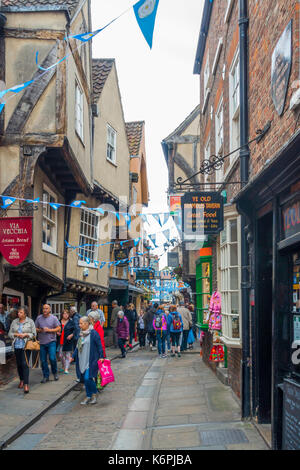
(1, 107)
(54, 205)
(77, 203)
(145, 13)
(7, 201)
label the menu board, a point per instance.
(202, 214)
(291, 415)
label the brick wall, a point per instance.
(234, 357)
(268, 20)
(8, 371)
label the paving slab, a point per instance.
(169, 420)
(145, 391)
(140, 404)
(26, 442)
(45, 425)
(135, 420)
(175, 438)
(129, 440)
(180, 410)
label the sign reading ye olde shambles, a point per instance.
(15, 239)
(202, 214)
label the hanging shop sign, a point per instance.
(121, 255)
(15, 239)
(281, 69)
(144, 274)
(291, 220)
(202, 214)
(173, 260)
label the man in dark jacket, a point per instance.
(122, 332)
(149, 325)
(131, 315)
(74, 315)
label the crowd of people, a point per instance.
(80, 339)
(171, 327)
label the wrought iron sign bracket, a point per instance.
(215, 163)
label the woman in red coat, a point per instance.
(94, 318)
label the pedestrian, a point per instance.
(74, 315)
(47, 326)
(131, 315)
(114, 321)
(21, 330)
(141, 329)
(87, 354)
(12, 315)
(175, 325)
(168, 338)
(3, 316)
(122, 332)
(160, 327)
(94, 319)
(193, 331)
(95, 308)
(187, 324)
(65, 338)
(149, 325)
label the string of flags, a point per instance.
(145, 12)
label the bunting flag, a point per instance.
(54, 205)
(157, 218)
(1, 107)
(145, 13)
(51, 66)
(7, 202)
(128, 220)
(136, 241)
(102, 265)
(77, 203)
(166, 234)
(98, 209)
(153, 239)
(33, 201)
(16, 89)
(164, 219)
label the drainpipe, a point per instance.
(244, 174)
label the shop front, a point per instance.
(272, 204)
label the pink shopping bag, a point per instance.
(107, 375)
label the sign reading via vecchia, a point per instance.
(202, 214)
(15, 239)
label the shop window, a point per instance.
(230, 280)
(203, 290)
(89, 236)
(49, 236)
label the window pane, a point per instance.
(234, 255)
(235, 325)
(234, 303)
(205, 286)
(234, 279)
(233, 230)
(205, 270)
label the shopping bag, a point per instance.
(98, 384)
(107, 375)
(191, 337)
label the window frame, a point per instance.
(234, 111)
(224, 267)
(81, 261)
(79, 111)
(218, 145)
(206, 157)
(114, 133)
(49, 248)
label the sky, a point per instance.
(157, 86)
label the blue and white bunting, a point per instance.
(33, 201)
(77, 203)
(1, 107)
(145, 13)
(54, 205)
(98, 209)
(7, 202)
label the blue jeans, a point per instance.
(161, 337)
(90, 384)
(48, 349)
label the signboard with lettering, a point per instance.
(202, 214)
(291, 415)
(291, 219)
(15, 239)
(121, 255)
(143, 274)
(281, 69)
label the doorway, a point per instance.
(264, 263)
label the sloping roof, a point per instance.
(101, 69)
(71, 5)
(134, 136)
(181, 128)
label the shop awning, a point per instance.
(136, 289)
(118, 284)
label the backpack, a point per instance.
(176, 323)
(158, 321)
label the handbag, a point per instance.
(107, 375)
(32, 345)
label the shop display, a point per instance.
(217, 354)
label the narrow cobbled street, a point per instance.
(171, 403)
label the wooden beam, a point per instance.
(44, 34)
